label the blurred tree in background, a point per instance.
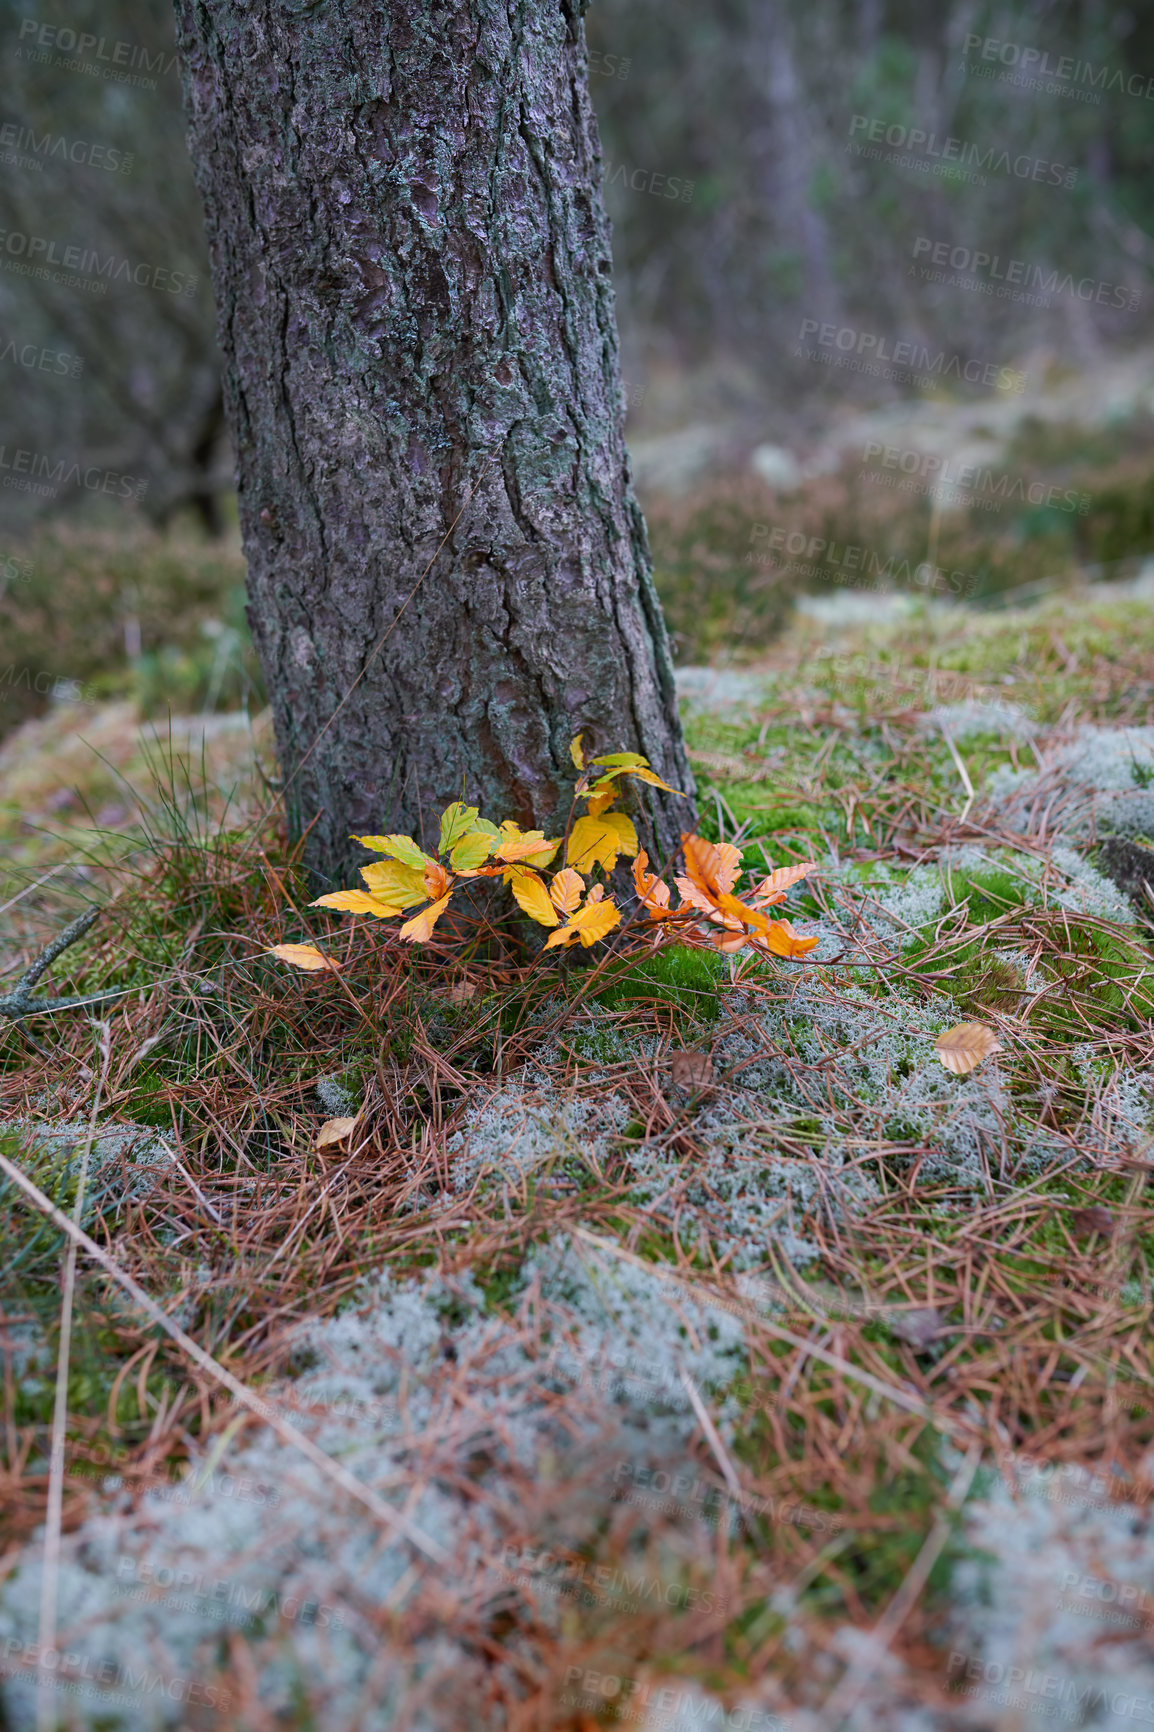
(738, 203)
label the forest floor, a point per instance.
(704, 1351)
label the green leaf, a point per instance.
(456, 821)
(401, 848)
(471, 851)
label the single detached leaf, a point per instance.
(305, 956)
(401, 848)
(691, 1070)
(918, 1327)
(355, 902)
(334, 1131)
(456, 821)
(1094, 1219)
(964, 1047)
(576, 752)
(419, 929)
(397, 885)
(566, 890)
(530, 894)
(471, 851)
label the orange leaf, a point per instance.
(650, 890)
(419, 929)
(355, 902)
(601, 802)
(773, 888)
(437, 880)
(781, 938)
(567, 889)
(305, 956)
(710, 869)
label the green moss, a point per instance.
(678, 976)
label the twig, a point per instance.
(21, 1003)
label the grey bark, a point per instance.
(411, 262)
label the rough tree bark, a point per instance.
(411, 262)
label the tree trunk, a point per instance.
(412, 271)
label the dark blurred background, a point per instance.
(783, 181)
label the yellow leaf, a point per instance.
(399, 886)
(598, 841)
(401, 848)
(600, 802)
(305, 956)
(624, 760)
(590, 924)
(355, 902)
(471, 851)
(531, 846)
(648, 775)
(576, 752)
(334, 1131)
(964, 1047)
(567, 889)
(531, 895)
(419, 929)
(456, 821)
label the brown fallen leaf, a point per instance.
(691, 1070)
(918, 1327)
(305, 956)
(1094, 1219)
(964, 1047)
(463, 991)
(334, 1131)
